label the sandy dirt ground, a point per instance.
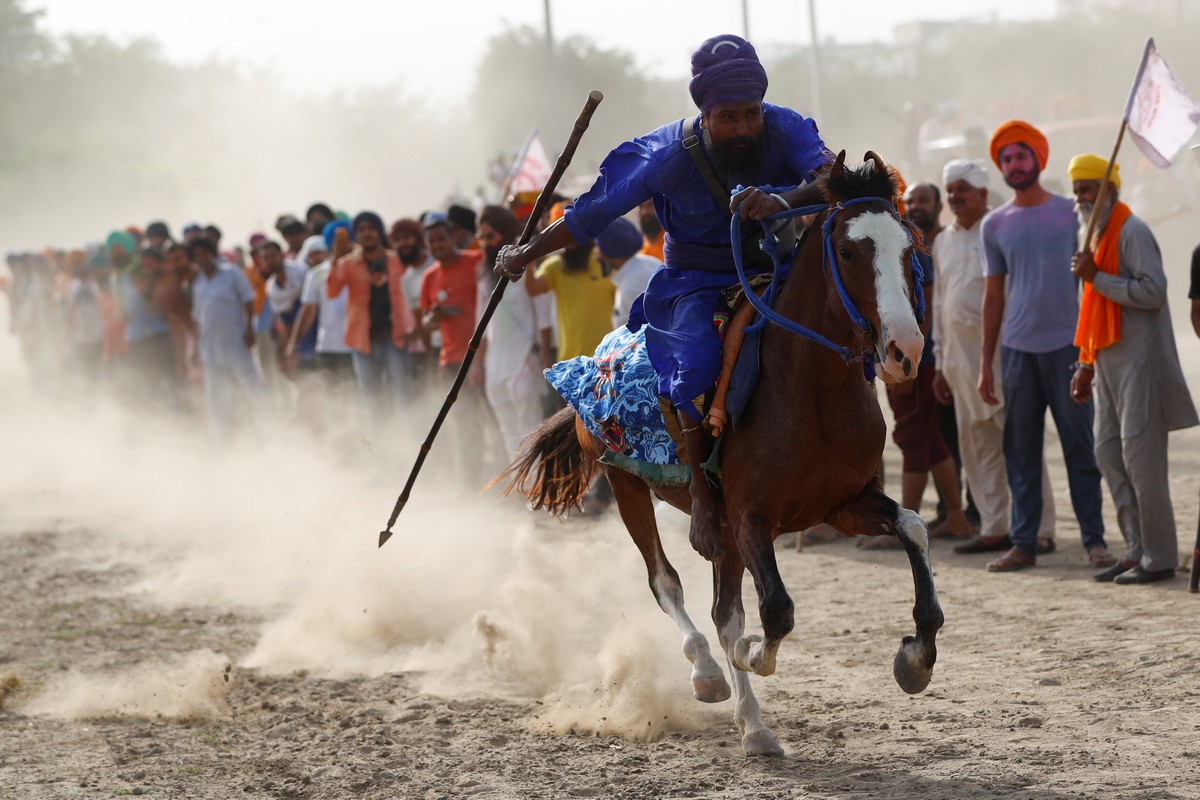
(184, 623)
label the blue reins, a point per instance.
(770, 246)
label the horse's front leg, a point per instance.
(873, 513)
(730, 619)
(754, 542)
(637, 512)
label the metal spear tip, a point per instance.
(384, 536)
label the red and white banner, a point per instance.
(1161, 115)
(533, 170)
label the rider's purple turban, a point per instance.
(725, 69)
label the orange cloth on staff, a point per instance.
(1100, 318)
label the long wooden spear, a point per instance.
(539, 207)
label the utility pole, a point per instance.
(746, 20)
(551, 101)
(815, 53)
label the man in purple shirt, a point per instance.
(689, 168)
(1029, 311)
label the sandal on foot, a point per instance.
(1100, 557)
(1045, 545)
(1011, 561)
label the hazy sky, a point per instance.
(434, 47)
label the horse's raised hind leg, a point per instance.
(873, 513)
(637, 512)
(730, 619)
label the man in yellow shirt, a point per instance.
(583, 295)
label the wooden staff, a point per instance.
(581, 125)
(1103, 195)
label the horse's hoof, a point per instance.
(711, 690)
(741, 652)
(761, 743)
(912, 677)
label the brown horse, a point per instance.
(804, 452)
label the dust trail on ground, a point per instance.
(189, 686)
(280, 525)
(634, 699)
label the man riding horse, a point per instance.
(684, 167)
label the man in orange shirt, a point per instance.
(449, 292)
(379, 323)
(448, 295)
(652, 230)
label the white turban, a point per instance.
(962, 169)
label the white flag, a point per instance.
(1162, 116)
(532, 173)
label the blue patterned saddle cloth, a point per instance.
(615, 393)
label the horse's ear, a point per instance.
(839, 166)
(873, 157)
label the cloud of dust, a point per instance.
(188, 686)
(632, 700)
(474, 595)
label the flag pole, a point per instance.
(516, 165)
(1100, 198)
(1103, 195)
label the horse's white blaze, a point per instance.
(898, 323)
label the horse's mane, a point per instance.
(852, 183)
(861, 181)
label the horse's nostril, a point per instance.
(896, 353)
(907, 365)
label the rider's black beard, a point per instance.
(737, 164)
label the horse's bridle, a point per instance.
(770, 246)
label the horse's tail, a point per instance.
(552, 467)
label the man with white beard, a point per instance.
(1128, 362)
(958, 262)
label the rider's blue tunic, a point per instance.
(678, 304)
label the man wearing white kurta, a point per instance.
(958, 263)
(513, 381)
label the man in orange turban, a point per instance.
(1029, 138)
(1129, 364)
(1028, 244)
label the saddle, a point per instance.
(738, 375)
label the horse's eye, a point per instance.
(845, 254)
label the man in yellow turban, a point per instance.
(1129, 364)
(1028, 289)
